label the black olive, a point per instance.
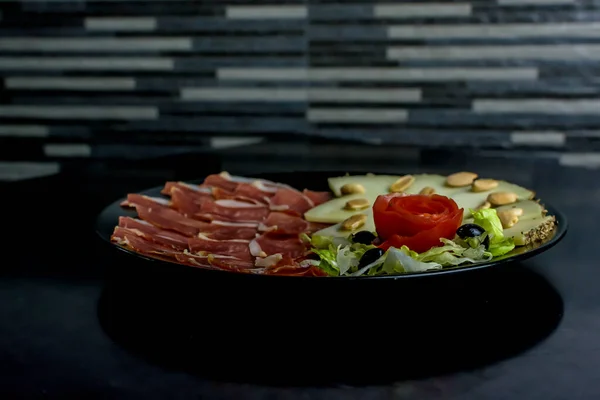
(363, 237)
(471, 231)
(370, 256)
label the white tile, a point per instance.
(382, 116)
(15, 171)
(69, 83)
(360, 95)
(496, 31)
(95, 44)
(422, 10)
(24, 131)
(137, 24)
(496, 52)
(266, 12)
(585, 160)
(229, 142)
(538, 138)
(67, 150)
(88, 63)
(244, 94)
(79, 112)
(542, 106)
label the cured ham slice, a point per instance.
(132, 239)
(186, 204)
(170, 219)
(268, 244)
(317, 197)
(220, 230)
(222, 180)
(232, 264)
(287, 266)
(189, 189)
(134, 200)
(233, 210)
(236, 248)
(291, 200)
(284, 224)
(222, 194)
(255, 191)
(154, 234)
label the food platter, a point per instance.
(109, 218)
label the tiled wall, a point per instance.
(80, 77)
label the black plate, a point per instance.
(108, 219)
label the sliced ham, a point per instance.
(222, 180)
(155, 234)
(268, 244)
(287, 266)
(222, 194)
(221, 230)
(317, 197)
(190, 189)
(184, 203)
(134, 200)
(284, 224)
(291, 201)
(131, 238)
(256, 191)
(236, 248)
(167, 218)
(233, 210)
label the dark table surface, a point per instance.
(54, 345)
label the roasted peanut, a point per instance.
(501, 198)
(357, 204)
(352, 188)
(402, 184)
(483, 185)
(461, 179)
(354, 222)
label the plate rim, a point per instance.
(562, 227)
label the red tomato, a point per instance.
(416, 221)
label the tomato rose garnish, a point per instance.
(415, 221)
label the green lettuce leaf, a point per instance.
(488, 219)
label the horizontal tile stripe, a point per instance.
(356, 115)
(542, 106)
(266, 12)
(15, 171)
(422, 10)
(524, 52)
(359, 95)
(79, 112)
(24, 131)
(134, 24)
(377, 74)
(88, 63)
(67, 150)
(94, 44)
(495, 31)
(527, 3)
(244, 94)
(585, 160)
(538, 138)
(70, 83)
(229, 142)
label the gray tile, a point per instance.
(379, 74)
(87, 63)
(361, 115)
(440, 119)
(584, 160)
(78, 112)
(538, 106)
(95, 44)
(266, 12)
(360, 95)
(532, 138)
(244, 94)
(195, 64)
(229, 142)
(220, 124)
(251, 44)
(341, 11)
(347, 33)
(422, 10)
(218, 24)
(497, 52)
(15, 171)
(497, 31)
(67, 150)
(135, 24)
(24, 131)
(69, 83)
(527, 3)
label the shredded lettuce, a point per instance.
(488, 220)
